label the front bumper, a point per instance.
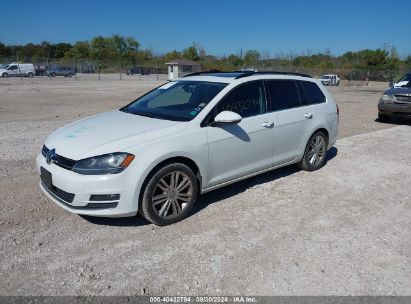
(400, 109)
(67, 184)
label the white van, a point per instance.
(17, 69)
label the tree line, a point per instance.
(380, 64)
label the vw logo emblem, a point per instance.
(50, 156)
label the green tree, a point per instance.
(235, 61)
(191, 53)
(58, 50)
(171, 56)
(252, 57)
(80, 50)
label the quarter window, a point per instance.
(313, 93)
(247, 100)
(283, 94)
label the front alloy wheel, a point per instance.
(172, 194)
(169, 194)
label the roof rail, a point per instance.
(248, 74)
(204, 72)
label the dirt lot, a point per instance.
(342, 230)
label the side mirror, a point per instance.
(227, 117)
(391, 84)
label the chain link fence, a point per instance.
(92, 69)
(156, 69)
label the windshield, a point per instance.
(4, 66)
(325, 77)
(177, 100)
(406, 77)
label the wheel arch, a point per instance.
(322, 129)
(170, 160)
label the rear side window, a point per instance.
(312, 94)
(283, 94)
(247, 100)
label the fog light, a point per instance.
(104, 197)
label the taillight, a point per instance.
(338, 110)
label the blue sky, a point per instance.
(220, 26)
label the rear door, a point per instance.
(246, 147)
(292, 119)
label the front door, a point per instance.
(243, 148)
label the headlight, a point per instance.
(104, 164)
(387, 98)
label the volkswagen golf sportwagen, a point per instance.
(156, 155)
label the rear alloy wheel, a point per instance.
(30, 75)
(169, 195)
(315, 153)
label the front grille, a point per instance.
(403, 98)
(59, 160)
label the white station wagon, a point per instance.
(156, 155)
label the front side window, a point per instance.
(177, 100)
(247, 100)
(283, 94)
(13, 67)
(311, 94)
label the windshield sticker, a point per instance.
(198, 109)
(400, 84)
(193, 113)
(202, 105)
(167, 85)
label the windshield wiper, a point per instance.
(127, 110)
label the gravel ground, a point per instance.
(342, 230)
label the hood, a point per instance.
(400, 90)
(109, 132)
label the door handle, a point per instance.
(267, 124)
(308, 115)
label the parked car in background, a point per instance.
(54, 71)
(330, 79)
(17, 69)
(190, 136)
(138, 70)
(396, 101)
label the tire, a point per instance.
(383, 118)
(5, 75)
(171, 205)
(53, 74)
(315, 153)
(30, 75)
